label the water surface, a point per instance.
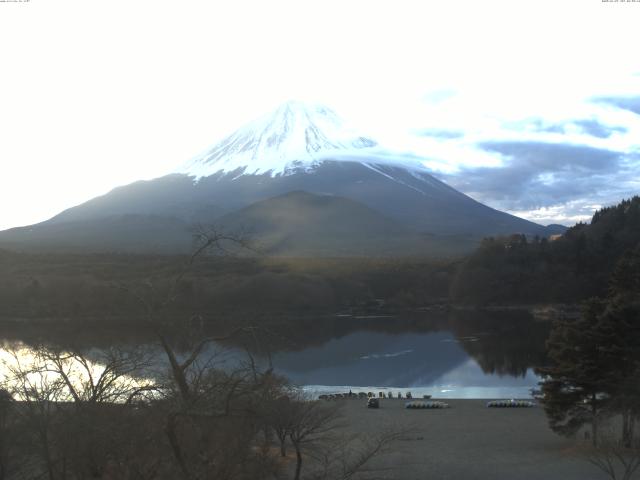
(453, 355)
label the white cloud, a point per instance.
(565, 214)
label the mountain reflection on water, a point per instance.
(459, 354)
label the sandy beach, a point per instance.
(470, 441)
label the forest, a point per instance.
(502, 271)
(569, 269)
(513, 270)
(92, 288)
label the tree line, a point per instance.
(85, 288)
(569, 269)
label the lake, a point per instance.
(460, 354)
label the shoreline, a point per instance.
(539, 311)
(472, 393)
(469, 441)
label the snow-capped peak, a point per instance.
(295, 136)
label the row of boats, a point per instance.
(420, 405)
(367, 395)
(374, 402)
(510, 404)
(492, 404)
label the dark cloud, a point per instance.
(539, 125)
(554, 156)
(626, 103)
(597, 129)
(555, 128)
(590, 127)
(539, 174)
(440, 133)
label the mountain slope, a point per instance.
(414, 198)
(294, 224)
(299, 223)
(117, 233)
(297, 148)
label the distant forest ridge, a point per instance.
(571, 268)
(512, 270)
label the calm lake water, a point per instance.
(432, 363)
(454, 355)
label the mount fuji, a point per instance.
(302, 181)
(295, 136)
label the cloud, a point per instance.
(440, 95)
(568, 213)
(547, 159)
(626, 103)
(554, 156)
(590, 127)
(440, 133)
(553, 128)
(549, 181)
(597, 129)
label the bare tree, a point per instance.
(8, 434)
(70, 403)
(202, 396)
(210, 399)
(102, 376)
(348, 457)
(618, 459)
(316, 431)
(280, 420)
(310, 423)
(38, 395)
(155, 301)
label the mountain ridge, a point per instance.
(300, 223)
(298, 148)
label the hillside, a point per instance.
(63, 288)
(132, 233)
(303, 224)
(574, 267)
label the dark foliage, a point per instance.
(595, 369)
(572, 268)
(575, 387)
(85, 288)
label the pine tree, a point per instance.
(595, 359)
(575, 385)
(620, 329)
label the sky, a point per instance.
(532, 107)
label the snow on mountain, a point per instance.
(296, 136)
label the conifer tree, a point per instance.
(595, 368)
(620, 331)
(574, 386)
